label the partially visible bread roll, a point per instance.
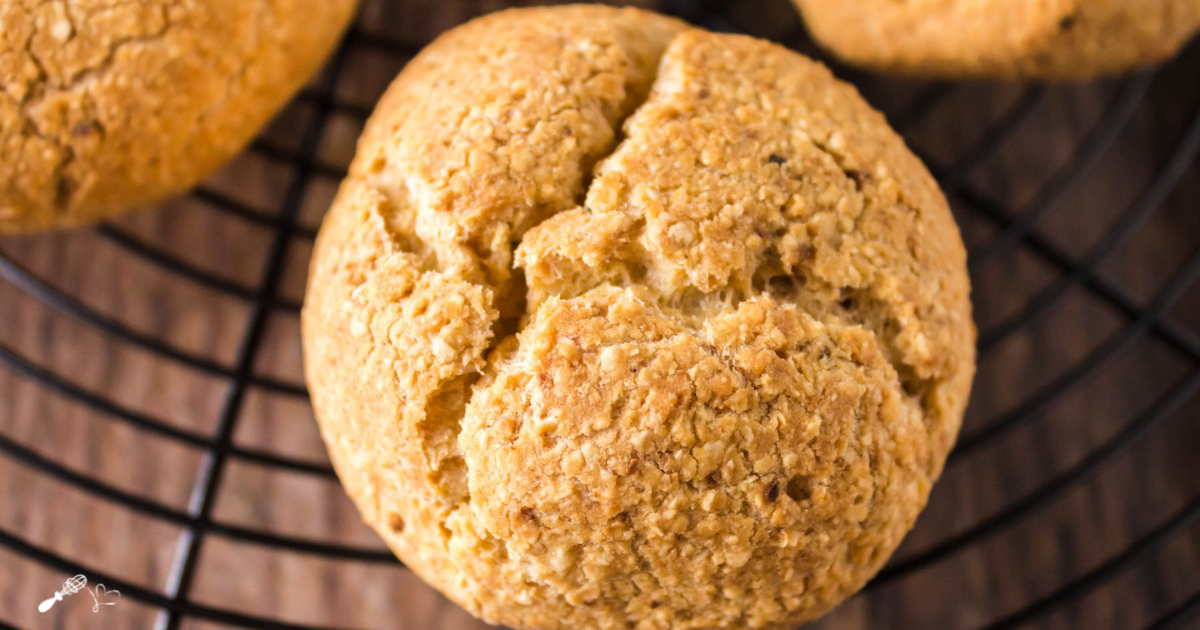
(109, 106)
(1049, 39)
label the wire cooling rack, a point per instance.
(155, 434)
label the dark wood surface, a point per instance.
(1077, 530)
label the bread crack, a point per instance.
(47, 84)
(450, 234)
(440, 429)
(73, 80)
(883, 328)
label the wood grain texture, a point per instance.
(1077, 530)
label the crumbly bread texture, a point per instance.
(106, 106)
(621, 324)
(1051, 39)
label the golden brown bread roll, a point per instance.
(621, 324)
(1051, 39)
(109, 106)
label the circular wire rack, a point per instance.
(1071, 499)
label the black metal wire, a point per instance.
(925, 102)
(188, 271)
(228, 205)
(31, 459)
(1113, 346)
(310, 163)
(992, 140)
(274, 460)
(1014, 230)
(1158, 412)
(20, 365)
(1178, 337)
(208, 480)
(48, 558)
(1090, 465)
(1120, 233)
(42, 291)
(1086, 158)
(173, 264)
(404, 50)
(358, 112)
(1182, 614)
(1096, 577)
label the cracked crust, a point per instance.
(620, 324)
(108, 105)
(1052, 39)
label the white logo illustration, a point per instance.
(76, 584)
